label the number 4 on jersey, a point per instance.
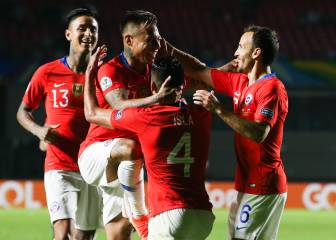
(185, 141)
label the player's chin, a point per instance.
(87, 47)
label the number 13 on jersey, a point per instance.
(186, 159)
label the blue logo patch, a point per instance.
(267, 113)
(118, 115)
(248, 99)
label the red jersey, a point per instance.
(112, 75)
(62, 91)
(260, 169)
(175, 143)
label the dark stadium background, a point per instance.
(32, 33)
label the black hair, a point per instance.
(165, 67)
(77, 12)
(138, 17)
(267, 40)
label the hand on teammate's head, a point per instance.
(165, 50)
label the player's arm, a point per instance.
(117, 98)
(45, 133)
(229, 67)
(256, 131)
(93, 113)
(193, 67)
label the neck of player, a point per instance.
(78, 61)
(135, 64)
(257, 72)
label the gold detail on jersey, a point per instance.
(181, 119)
(77, 89)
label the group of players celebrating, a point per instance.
(105, 121)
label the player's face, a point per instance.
(146, 44)
(244, 52)
(82, 33)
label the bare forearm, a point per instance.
(252, 130)
(133, 103)
(192, 66)
(26, 120)
(90, 99)
(93, 113)
(118, 100)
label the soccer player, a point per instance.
(123, 82)
(260, 108)
(60, 85)
(174, 138)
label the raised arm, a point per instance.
(193, 67)
(93, 113)
(256, 131)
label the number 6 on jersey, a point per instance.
(185, 141)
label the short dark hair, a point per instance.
(267, 40)
(77, 12)
(138, 17)
(165, 67)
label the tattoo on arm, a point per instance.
(115, 97)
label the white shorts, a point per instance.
(181, 224)
(92, 164)
(255, 216)
(68, 196)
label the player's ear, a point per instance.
(67, 34)
(128, 40)
(256, 53)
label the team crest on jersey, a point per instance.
(105, 83)
(118, 115)
(267, 113)
(248, 99)
(77, 89)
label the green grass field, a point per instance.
(18, 224)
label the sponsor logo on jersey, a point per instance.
(118, 115)
(56, 85)
(267, 113)
(77, 89)
(240, 228)
(105, 83)
(248, 99)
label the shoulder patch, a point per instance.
(118, 115)
(248, 99)
(268, 113)
(105, 83)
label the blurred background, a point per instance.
(33, 33)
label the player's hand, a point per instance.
(166, 93)
(206, 99)
(96, 60)
(48, 134)
(43, 146)
(166, 49)
(231, 66)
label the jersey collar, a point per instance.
(65, 62)
(270, 75)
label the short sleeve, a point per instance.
(268, 99)
(130, 119)
(226, 82)
(36, 89)
(110, 77)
